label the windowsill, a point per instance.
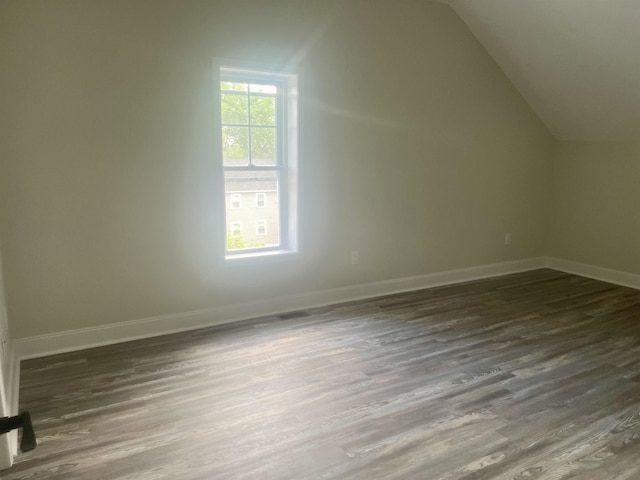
(271, 254)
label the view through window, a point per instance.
(257, 158)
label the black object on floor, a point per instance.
(23, 421)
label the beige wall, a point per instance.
(595, 214)
(416, 150)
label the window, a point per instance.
(236, 200)
(236, 230)
(259, 135)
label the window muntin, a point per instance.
(251, 123)
(259, 155)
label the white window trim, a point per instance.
(232, 198)
(264, 223)
(233, 224)
(262, 195)
(289, 234)
(252, 191)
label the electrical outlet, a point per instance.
(507, 239)
(355, 257)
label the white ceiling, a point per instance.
(577, 62)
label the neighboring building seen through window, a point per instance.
(259, 150)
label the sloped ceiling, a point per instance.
(577, 62)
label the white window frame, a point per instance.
(232, 229)
(232, 199)
(264, 224)
(263, 196)
(287, 164)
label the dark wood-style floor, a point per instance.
(527, 376)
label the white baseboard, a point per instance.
(617, 277)
(43, 345)
(80, 339)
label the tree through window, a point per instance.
(259, 155)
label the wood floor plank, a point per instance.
(534, 375)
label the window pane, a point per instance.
(234, 108)
(249, 214)
(235, 146)
(235, 200)
(263, 110)
(237, 87)
(264, 88)
(263, 146)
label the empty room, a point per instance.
(319, 239)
